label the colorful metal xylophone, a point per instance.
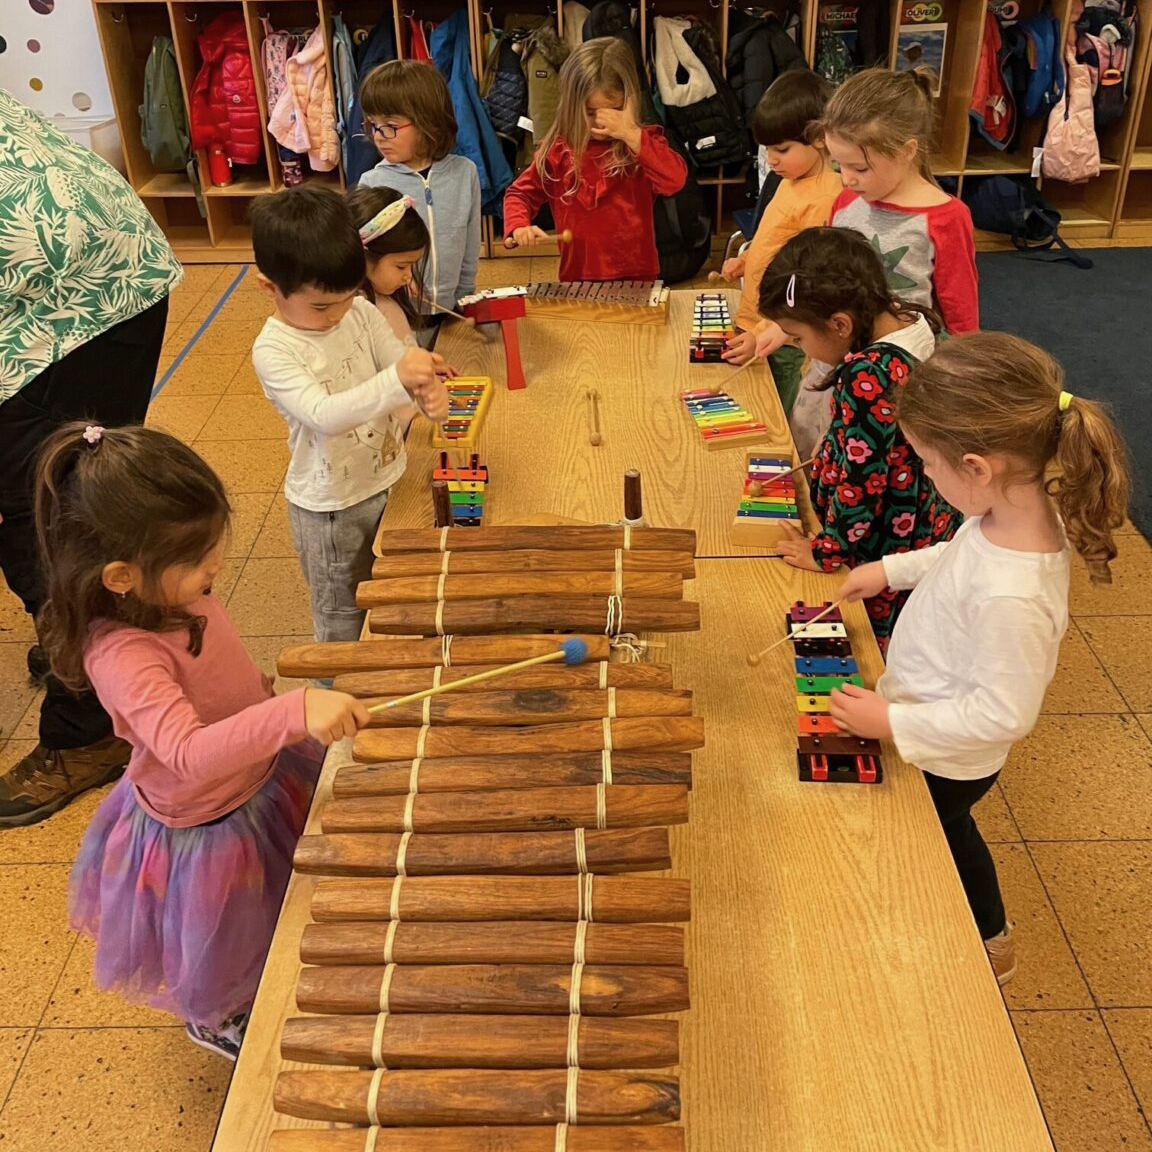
(489, 965)
(712, 328)
(720, 420)
(468, 401)
(767, 504)
(466, 489)
(824, 661)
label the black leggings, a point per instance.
(954, 800)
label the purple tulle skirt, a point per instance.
(183, 917)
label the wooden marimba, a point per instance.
(484, 970)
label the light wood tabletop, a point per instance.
(842, 1001)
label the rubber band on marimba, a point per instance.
(440, 582)
(378, 1041)
(572, 1056)
(601, 806)
(570, 1091)
(574, 989)
(614, 621)
(390, 939)
(439, 617)
(627, 537)
(426, 712)
(394, 900)
(444, 563)
(370, 1140)
(421, 740)
(409, 808)
(444, 539)
(374, 1097)
(607, 734)
(581, 852)
(386, 987)
(437, 673)
(446, 651)
(401, 852)
(611, 703)
(619, 572)
(581, 942)
(561, 1138)
(603, 674)
(606, 765)
(414, 775)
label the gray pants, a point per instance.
(335, 550)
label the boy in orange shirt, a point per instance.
(783, 122)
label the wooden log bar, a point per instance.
(478, 1096)
(489, 1139)
(555, 809)
(316, 661)
(520, 706)
(488, 773)
(532, 560)
(497, 853)
(469, 617)
(662, 734)
(597, 674)
(422, 589)
(499, 942)
(501, 989)
(455, 1041)
(601, 899)
(511, 538)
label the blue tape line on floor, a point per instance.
(199, 332)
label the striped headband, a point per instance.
(386, 219)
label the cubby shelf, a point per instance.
(1117, 203)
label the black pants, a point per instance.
(954, 800)
(109, 381)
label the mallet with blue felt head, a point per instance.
(571, 651)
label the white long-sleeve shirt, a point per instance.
(973, 651)
(337, 390)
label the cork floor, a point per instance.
(1071, 821)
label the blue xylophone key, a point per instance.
(825, 665)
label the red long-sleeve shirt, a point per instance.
(610, 217)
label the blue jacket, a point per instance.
(449, 203)
(476, 138)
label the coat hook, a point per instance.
(192, 17)
(117, 19)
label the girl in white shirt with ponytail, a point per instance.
(976, 645)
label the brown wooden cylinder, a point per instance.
(454, 1041)
(510, 538)
(519, 706)
(489, 773)
(499, 942)
(615, 899)
(468, 617)
(495, 853)
(554, 809)
(441, 504)
(633, 495)
(500, 989)
(466, 586)
(401, 681)
(315, 661)
(667, 1138)
(532, 560)
(664, 734)
(477, 1096)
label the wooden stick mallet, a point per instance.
(564, 237)
(716, 389)
(593, 397)
(754, 658)
(449, 312)
(756, 488)
(571, 651)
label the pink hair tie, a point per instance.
(93, 433)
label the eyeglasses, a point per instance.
(384, 131)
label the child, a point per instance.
(976, 647)
(336, 372)
(408, 115)
(182, 870)
(782, 124)
(599, 171)
(827, 291)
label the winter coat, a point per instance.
(759, 50)
(379, 48)
(224, 111)
(304, 117)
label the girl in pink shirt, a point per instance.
(182, 870)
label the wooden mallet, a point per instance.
(754, 658)
(449, 312)
(593, 397)
(564, 237)
(571, 651)
(756, 488)
(716, 389)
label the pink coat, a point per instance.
(304, 118)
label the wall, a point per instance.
(51, 57)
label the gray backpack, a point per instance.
(163, 121)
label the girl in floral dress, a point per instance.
(827, 290)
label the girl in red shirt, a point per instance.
(599, 170)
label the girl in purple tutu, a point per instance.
(182, 871)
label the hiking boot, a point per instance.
(1001, 951)
(38, 666)
(48, 779)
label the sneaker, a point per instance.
(223, 1043)
(48, 779)
(1001, 951)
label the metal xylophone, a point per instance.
(722, 421)
(466, 485)
(483, 972)
(712, 328)
(612, 301)
(767, 504)
(468, 400)
(824, 661)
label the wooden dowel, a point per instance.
(633, 495)
(479, 586)
(505, 538)
(754, 658)
(533, 1138)
(757, 487)
(593, 398)
(441, 504)
(564, 237)
(531, 560)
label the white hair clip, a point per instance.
(790, 291)
(386, 219)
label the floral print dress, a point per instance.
(868, 489)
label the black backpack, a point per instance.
(683, 226)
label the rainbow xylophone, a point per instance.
(712, 328)
(468, 400)
(467, 487)
(767, 503)
(720, 420)
(824, 661)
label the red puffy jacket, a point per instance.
(224, 107)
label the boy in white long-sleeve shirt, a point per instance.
(335, 371)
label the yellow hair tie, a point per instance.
(1066, 399)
